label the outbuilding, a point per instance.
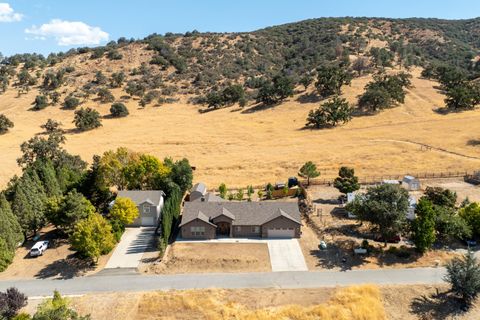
(149, 204)
(411, 183)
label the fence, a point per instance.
(367, 180)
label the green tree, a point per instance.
(330, 114)
(124, 210)
(384, 207)
(144, 172)
(118, 110)
(471, 214)
(10, 229)
(308, 171)
(441, 197)
(41, 102)
(449, 225)
(283, 86)
(5, 124)
(381, 57)
(385, 91)
(239, 194)
(330, 80)
(222, 190)
(346, 181)
(306, 81)
(463, 274)
(57, 308)
(87, 119)
(117, 79)
(182, 174)
(6, 255)
(250, 192)
(65, 212)
(423, 227)
(463, 96)
(92, 237)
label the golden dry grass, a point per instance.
(359, 302)
(267, 145)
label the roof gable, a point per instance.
(153, 197)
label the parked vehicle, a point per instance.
(292, 182)
(279, 185)
(38, 248)
(471, 243)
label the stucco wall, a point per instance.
(246, 231)
(154, 212)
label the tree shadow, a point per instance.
(437, 306)
(68, 268)
(309, 98)
(397, 256)
(260, 107)
(446, 111)
(337, 256)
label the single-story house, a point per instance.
(411, 183)
(149, 203)
(207, 220)
(199, 193)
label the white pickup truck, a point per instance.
(38, 248)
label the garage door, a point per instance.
(147, 221)
(281, 233)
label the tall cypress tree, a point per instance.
(10, 229)
(46, 173)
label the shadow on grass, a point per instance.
(261, 107)
(440, 305)
(473, 142)
(336, 256)
(309, 98)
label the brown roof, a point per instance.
(243, 213)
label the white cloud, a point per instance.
(7, 14)
(68, 33)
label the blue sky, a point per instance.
(45, 26)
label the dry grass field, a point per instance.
(213, 257)
(250, 146)
(360, 302)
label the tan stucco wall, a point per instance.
(209, 230)
(281, 222)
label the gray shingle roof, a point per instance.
(245, 213)
(141, 196)
(200, 215)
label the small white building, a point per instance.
(350, 197)
(411, 183)
(391, 182)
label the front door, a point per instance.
(223, 229)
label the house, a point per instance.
(199, 193)
(149, 203)
(411, 183)
(207, 220)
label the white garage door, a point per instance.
(281, 233)
(147, 221)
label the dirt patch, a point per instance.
(212, 257)
(59, 261)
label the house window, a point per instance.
(255, 229)
(146, 208)
(197, 231)
(238, 228)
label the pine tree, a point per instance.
(346, 181)
(10, 229)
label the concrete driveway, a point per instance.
(129, 251)
(286, 255)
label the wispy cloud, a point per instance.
(68, 33)
(7, 14)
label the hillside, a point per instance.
(254, 144)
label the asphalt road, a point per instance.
(124, 280)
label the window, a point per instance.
(197, 231)
(255, 229)
(238, 228)
(146, 208)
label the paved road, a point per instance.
(130, 249)
(286, 255)
(116, 280)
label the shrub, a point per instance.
(41, 102)
(87, 119)
(114, 55)
(11, 302)
(124, 210)
(71, 102)
(105, 95)
(118, 110)
(5, 124)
